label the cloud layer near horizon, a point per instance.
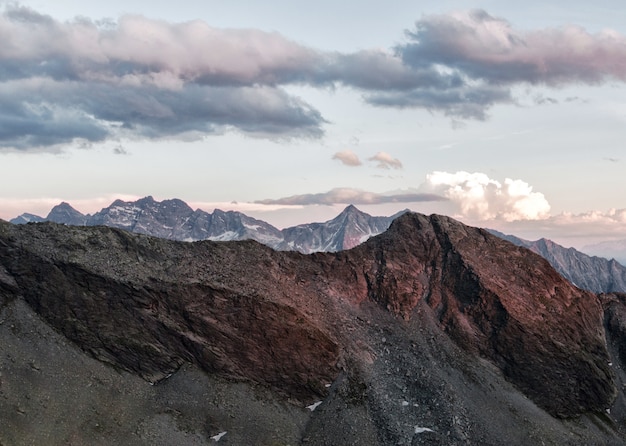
(142, 78)
(348, 195)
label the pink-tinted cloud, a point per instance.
(568, 229)
(386, 161)
(348, 157)
(352, 196)
(82, 80)
(485, 47)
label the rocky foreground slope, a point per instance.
(430, 333)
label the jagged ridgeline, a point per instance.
(432, 332)
(174, 219)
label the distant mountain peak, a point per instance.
(65, 214)
(595, 274)
(27, 218)
(350, 209)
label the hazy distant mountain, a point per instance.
(611, 250)
(175, 220)
(65, 214)
(27, 218)
(595, 274)
(349, 229)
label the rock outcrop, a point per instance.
(502, 302)
(430, 333)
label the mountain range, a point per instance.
(176, 220)
(431, 332)
(615, 249)
(591, 273)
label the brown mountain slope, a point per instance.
(418, 331)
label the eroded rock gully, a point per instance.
(430, 322)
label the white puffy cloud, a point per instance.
(478, 197)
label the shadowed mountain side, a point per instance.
(415, 329)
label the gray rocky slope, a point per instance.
(430, 333)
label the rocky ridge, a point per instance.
(175, 220)
(421, 335)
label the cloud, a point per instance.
(120, 150)
(348, 157)
(352, 196)
(540, 99)
(82, 80)
(488, 48)
(64, 112)
(386, 161)
(488, 57)
(480, 198)
(463, 102)
(570, 229)
(140, 78)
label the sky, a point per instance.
(504, 116)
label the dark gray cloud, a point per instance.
(467, 102)
(81, 81)
(141, 78)
(352, 196)
(45, 113)
(120, 150)
(543, 100)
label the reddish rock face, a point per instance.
(290, 321)
(501, 301)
